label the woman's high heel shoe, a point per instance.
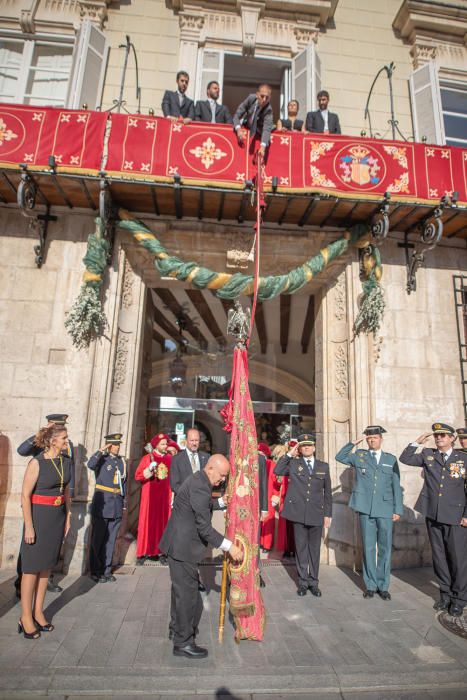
(48, 627)
(28, 635)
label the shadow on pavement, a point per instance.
(81, 586)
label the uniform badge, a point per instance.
(456, 470)
(430, 459)
(363, 470)
(109, 467)
(300, 468)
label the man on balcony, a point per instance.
(255, 114)
(210, 110)
(322, 121)
(175, 103)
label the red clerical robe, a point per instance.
(155, 502)
(285, 536)
(268, 525)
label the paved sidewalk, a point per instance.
(111, 640)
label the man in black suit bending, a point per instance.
(322, 121)
(188, 533)
(175, 103)
(255, 114)
(210, 110)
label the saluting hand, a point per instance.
(357, 442)
(293, 451)
(104, 448)
(423, 438)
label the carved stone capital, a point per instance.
(304, 35)
(94, 10)
(191, 23)
(422, 53)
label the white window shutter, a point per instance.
(211, 67)
(89, 62)
(426, 104)
(306, 78)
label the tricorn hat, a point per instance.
(374, 430)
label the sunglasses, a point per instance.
(441, 434)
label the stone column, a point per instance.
(341, 393)
(191, 23)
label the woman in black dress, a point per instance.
(45, 500)
(291, 123)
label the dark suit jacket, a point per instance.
(443, 497)
(171, 105)
(203, 113)
(180, 468)
(315, 122)
(263, 484)
(309, 498)
(189, 530)
(29, 449)
(245, 114)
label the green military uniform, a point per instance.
(376, 496)
(462, 435)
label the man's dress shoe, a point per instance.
(315, 591)
(368, 594)
(192, 651)
(301, 591)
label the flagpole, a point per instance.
(225, 574)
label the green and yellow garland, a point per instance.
(86, 319)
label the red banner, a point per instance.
(31, 134)
(242, 526)
(156, 149)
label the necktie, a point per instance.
(194, 466)
(310, 466)
(254, 121)
(373, 454)
(444, 456)
(213, 111)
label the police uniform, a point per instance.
(376, 497)
(106, 508)
(462, 435)
(307, 503)
(443, 502)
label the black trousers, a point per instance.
(186, 605)
(104, 533)
(307, 551)
(449, 550)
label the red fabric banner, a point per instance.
(242, 527)
(156, 149)
(31, 134)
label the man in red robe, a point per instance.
(154, 508)
(268, 522)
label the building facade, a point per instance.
(305, 361)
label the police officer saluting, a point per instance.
(308, 504)
(107, 506)
(443, 502)
(462, 435)
(377, 498)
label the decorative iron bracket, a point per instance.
(431, 232)
(38, 223)
(380, 220)
(107, 213)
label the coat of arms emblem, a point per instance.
(360, 165)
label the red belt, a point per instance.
(48, 500)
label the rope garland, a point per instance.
(86, 319)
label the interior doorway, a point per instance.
(243, 74)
